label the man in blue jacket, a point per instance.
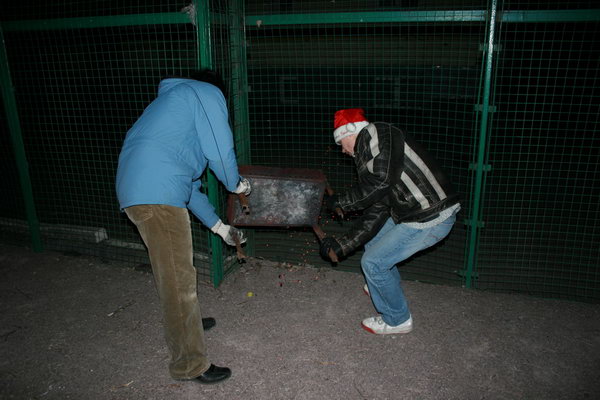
(184, 130)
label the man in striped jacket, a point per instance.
(407, 204)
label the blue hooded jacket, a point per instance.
(168, 148)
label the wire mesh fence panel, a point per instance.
(421, 76)
(269, 7)
(541, 5)
(79, 91)
(13, 226)
(541, 209)
(44, 10)
(83, 72)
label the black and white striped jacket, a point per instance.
(397, 177)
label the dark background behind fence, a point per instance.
(80, 81)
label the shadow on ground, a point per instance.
(80, 328)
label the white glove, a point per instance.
(227, 233)
(243, 187)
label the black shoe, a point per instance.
(214, 374)
(208, 323)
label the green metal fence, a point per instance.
(80, 82)
(505, 94)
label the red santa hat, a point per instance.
(348, 122)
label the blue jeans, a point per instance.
(392, 244)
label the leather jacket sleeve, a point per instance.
(377, 164)
(365, 228)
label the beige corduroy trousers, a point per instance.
(167, 234)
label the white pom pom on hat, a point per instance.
(348, 122)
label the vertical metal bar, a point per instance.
(204, 46)
(479, 165)
(239, 78)
(14, 126)
(203, 33)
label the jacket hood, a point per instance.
(169, 83)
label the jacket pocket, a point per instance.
(139, 214)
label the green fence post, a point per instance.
(239, 79)
(474, 222)
(14, 126)
(204, 60)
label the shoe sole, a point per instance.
(366, 328)
(212, 382)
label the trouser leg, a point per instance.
(167, 234)
(393, 244)
(383, 278)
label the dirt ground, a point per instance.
(76, 327)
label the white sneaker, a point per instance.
(366, 290)
(377, 326)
